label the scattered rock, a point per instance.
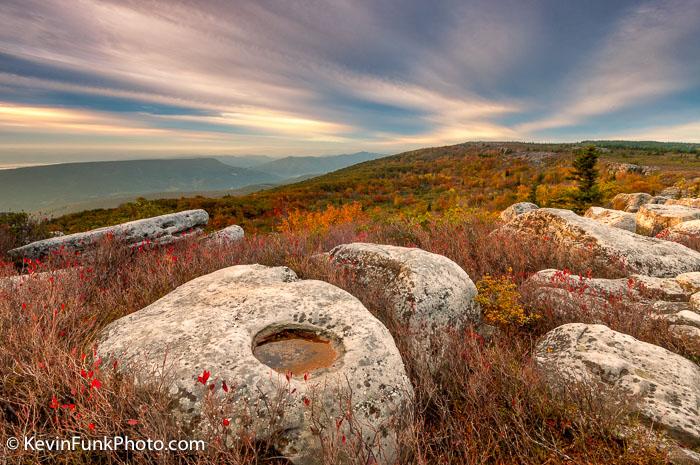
(427, 291)
(635, 287)
(630, 202)
(517, 209)
(615, 218)
(665, 386)
(163, 229)
(695, 301)
(689, 281)
(568, 295)
(224, 322)
(652, 219)
(681, 456)
(686, 317)
(688, 202)
(229, 234)
(608, 247)
(672, 192)
(627, 168)
(682, 232)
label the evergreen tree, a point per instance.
(586, 175)
(532, 197)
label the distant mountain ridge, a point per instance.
(61, 188)
(289, 167)
(43, 188)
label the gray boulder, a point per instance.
(229, 234)
(247, 326)
(609, 247)
(630, 168)
(652, 219)
(682, 232)
(686, 201)
(630, 202)
(615, 218)
(517, 209)
(163, 229)
(665, 386)
(427, 291)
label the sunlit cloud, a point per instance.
(283, 77)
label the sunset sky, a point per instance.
(86, 79)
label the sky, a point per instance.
(88, 80)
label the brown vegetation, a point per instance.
(484, 404)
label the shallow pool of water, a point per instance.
(297, 351)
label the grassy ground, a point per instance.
(485, 404)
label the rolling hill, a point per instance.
(485, 176)
(45, 188)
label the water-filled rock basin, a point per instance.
(297, 350)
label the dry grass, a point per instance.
(484, 404)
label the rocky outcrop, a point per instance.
(664, 387)
(652, 219)
(248, 325)
(630, 202)
(615, 218)
(687, 202)
(682, 232)
(595, 299)
(628, 168)
(229, 234)
(163, 229)
(606, 246)
(427, 291)
(689, 281)
(517, 209)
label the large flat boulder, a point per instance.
(248, 326)
(159, 230)
(652, 219)
(427, 291)
(630, 253)
(615, 218)
(664, 387)
(517, 209)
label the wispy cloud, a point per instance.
(637, 64)
(280, 77)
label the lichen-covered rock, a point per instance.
(615, 218)
(627, 168)
(689, 281)
(635, 287)
(427, 291)
(569, 295)
(517, 209)
(213, 324)
(630, 202)
(687, 201)
(229, 234)
(685, 317)
(160, 230)
(695, 302)
(652, 219)
(682, 232)
(608, 247)
(665, 386)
